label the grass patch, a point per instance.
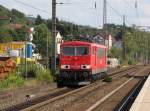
(44, 75)
(31, 69)
(13, 80)
(34, 71)
(107, 79)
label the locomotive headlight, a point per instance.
(85, 66)
(65, 66)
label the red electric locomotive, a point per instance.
(81, 63)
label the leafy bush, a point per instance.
(11, 80)
(132, 62)
(37, 71)
(44, 75)
(107, 79)
(31, 69)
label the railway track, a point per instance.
(119, 98)
(78, 93)
(11, 97)
(44, 97)
(128, 100)
(29, 102)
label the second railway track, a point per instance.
(29, 102)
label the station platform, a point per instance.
(142, 102)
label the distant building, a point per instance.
(15, 26)
(98, 39)
(15, 49)
(109, 41)
(6, 48)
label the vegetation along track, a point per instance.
(29, 102)
(62, 101)
(14, 96)
(11, 99)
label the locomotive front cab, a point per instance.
(75, 64)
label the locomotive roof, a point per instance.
(83, 43)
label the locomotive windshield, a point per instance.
(69, 51)
(75, 51)
(82, 51)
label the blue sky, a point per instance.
(83, 11)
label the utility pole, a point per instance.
(146, 47)
(26, 73)
(123, 38)
(105, 19)
(53, 59)
(47, 60)
(148, 50)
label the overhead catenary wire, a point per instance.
(128, 4)
(117, 12)
(30, 6)
(94, 7)
(46, 12)
(134, 6)
(38, 9)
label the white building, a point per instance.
(109, 42)
(59, 40)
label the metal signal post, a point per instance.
(104, 13)
(105, 19)
(123, 39)
(53, 59)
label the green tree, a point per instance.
(5, 35)
(40, 38)
(4, 12)
(17, 17)
(115, 52)
(39, 20)
(19, 34)
(49, 24)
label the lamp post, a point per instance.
(47, 51)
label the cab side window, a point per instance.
(100, 52)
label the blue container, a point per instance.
(29, 50)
